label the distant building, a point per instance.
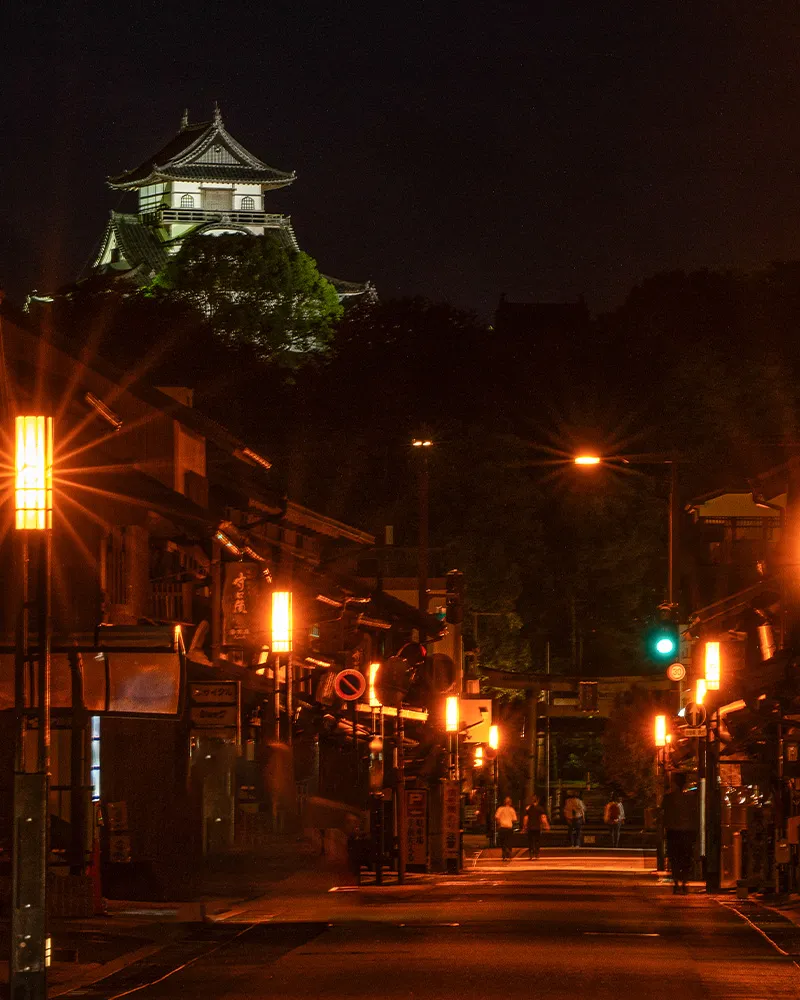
(202, 182)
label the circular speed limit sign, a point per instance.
(676, 671)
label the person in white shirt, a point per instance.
(575, 815)
(505, 818)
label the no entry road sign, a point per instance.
(350, 685)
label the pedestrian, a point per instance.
(614, 817)
(575, 814)
(505, 817)
(680, 826)
(534, 821)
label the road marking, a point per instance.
(620, 934)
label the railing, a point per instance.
(166, 601)
(198, 216)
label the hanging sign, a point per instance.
(350, 685)
(243, 605)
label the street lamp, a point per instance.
(700, 690)
(423, 445)
(451, 719)
(494, 744)
(651, 459)
(33, 501)
(660, 731)
(712, 666)
(282, 643)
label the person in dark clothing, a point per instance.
(534, 822)
(680, 825)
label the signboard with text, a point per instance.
(451, 820)
(243, 604)
(417, 827)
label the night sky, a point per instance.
(453, 150)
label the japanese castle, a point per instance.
(201, 182)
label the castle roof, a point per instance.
(205, 151)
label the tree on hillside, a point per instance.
(253, 290)
(628, 751)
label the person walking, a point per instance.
(680, 826)
(614, 817)
(505, 817)
(575, 814)
(534, 821)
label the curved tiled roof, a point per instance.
(205, 151)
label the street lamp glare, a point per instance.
(421, 443)
(587, 460)
(451, 720)
(281, 621)
(712, 666)
(34, 473)
(660, 731)
(494, 737)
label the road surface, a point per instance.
(569, 926)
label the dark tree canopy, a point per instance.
(254, 290)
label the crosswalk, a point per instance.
(489, 860)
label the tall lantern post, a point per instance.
(282, 643)
(33, 495)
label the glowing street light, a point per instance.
(421, 443)
(479, 756)
(374, 700)
(494, 737)
(34, 473)
(281, 621)
(587, 460)
(712, 666)
(660, 731)
(451, 720)
(700, 690)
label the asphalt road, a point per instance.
(549, 930)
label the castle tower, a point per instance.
(201, 182)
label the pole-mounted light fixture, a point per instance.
(451, 714)
(587, 460)
(374, 700)
(660, 731)
(712, 666)
(34, 473)
(700, 690)
(281, 621)
(494, 737)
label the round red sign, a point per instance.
(350, 685)
(676, 671)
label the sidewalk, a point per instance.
(85, 950)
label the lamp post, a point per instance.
(34, 523)
(423, 445)
(713, 810)
(660, 743)
(674, 500)
(451, 726)
(494, 744)
(282, 643)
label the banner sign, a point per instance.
(451, 825)
(243, 605)
(417, 827)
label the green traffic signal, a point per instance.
(662, 641)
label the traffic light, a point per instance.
(454, 601)
(662, 639)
